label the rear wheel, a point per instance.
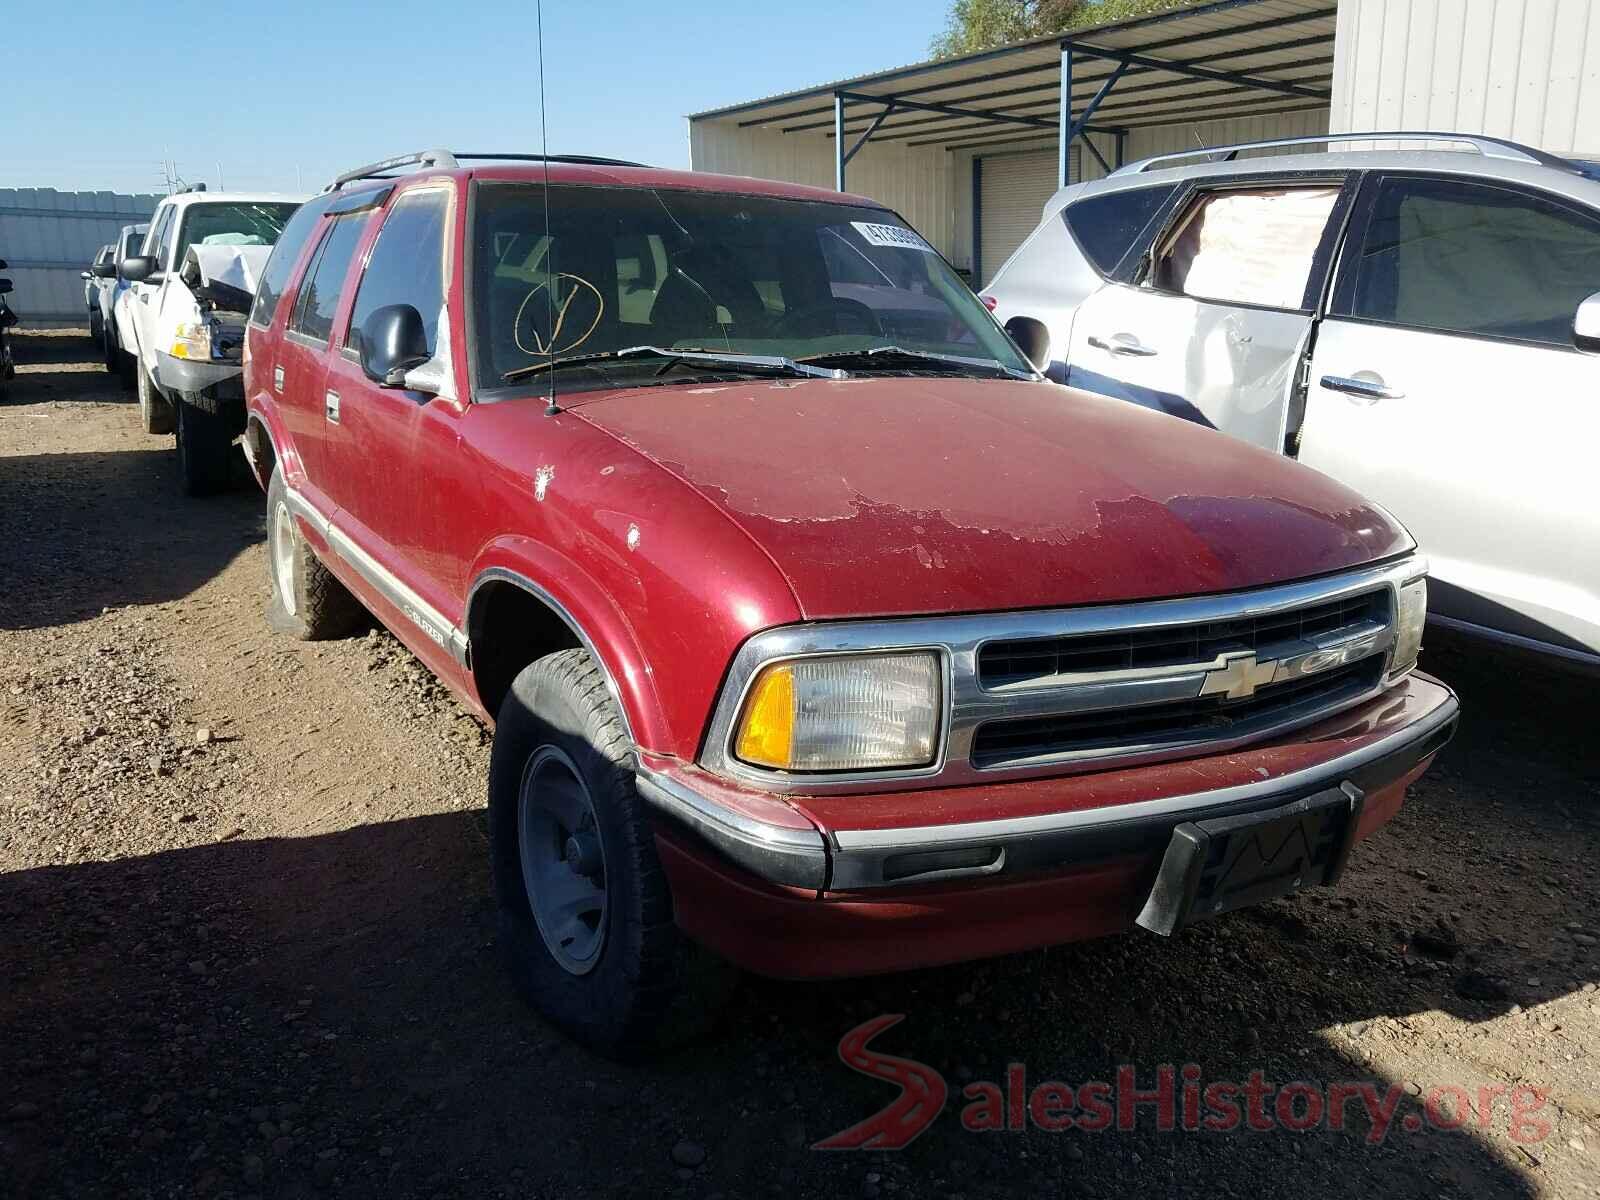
(155, 410)
(204, 448)
(109, 349)
(305, 600)
(585, 913)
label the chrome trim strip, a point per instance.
(967, 704)
(1515, 640)
(439, 628)
(859, 853)
(796, 857)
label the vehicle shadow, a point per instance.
(61, 366)
(87, 531)
(234, 1016)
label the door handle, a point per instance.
(1365, 385)
(1124, 344)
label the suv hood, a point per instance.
(880, 497)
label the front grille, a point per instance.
(1157, 726)
(1039, 660)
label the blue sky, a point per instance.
(266, 87)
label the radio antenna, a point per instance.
(551, 407)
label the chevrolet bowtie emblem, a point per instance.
(1239, 676)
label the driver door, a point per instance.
(1215, 327)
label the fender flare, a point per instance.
(586, 608)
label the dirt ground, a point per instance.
(248, 945)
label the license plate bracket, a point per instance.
(1224, 863)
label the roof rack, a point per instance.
(1488, 147)
(449, 159)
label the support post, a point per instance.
(838, 142)
(977, 222)
(1064, 122)
(1122, 147)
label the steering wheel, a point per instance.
(844, 316)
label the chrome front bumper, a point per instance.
(848, 859)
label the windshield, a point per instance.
(730, 274)
(232, 225)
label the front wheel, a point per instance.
(155, 410)
(204, 448)
(110, 351)
(585, 913)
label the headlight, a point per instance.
(192, 339)
(850, 712)
(1410, 617)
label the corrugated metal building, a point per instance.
(969, 149)
(48, 237)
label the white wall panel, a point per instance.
(48, 237)
(916, 183)
(1528, 70)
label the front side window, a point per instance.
(1107, 226)
(406, 265)
(1255, 246)
(232, 224)
(710, 271)
(318, 298)
(161, 240)
(1472, 258)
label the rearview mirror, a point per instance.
(105, 270)
(393, 341)
(1033, 339)
(138, 269)
(1586, 325)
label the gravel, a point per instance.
(250, 949)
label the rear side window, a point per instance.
(1254, 246)
(318, 298)
(1475, 259)
(406, 265)
(275, 277)
(1106, 227)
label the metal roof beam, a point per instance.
(1051, 67)
(1198, 72)
(1113, 114)
(1053, 85)
(1121, 102)
(948, 110)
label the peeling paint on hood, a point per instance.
(897, 496)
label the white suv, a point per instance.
(1421, 324)
(183, 319)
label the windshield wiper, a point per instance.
(696, 356)
(889, 358)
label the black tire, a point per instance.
(109, 349)
(305, 600)
(205, 449)
(155, 410)
(646, 986)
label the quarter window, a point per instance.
(1106, 227)
(1475, 259)
(406, 265)
(1253, 246)
(319, 295)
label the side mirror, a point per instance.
(3, 264)
(84, 275)
(1586, 325)
(138, 269)
(5, 284)
(104, 270)
(393, 341)
(1033, 339)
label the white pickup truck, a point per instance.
(183, 316)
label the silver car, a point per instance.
(1422, 324)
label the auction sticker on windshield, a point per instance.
(891, 235)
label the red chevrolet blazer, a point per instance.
(819, 633)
